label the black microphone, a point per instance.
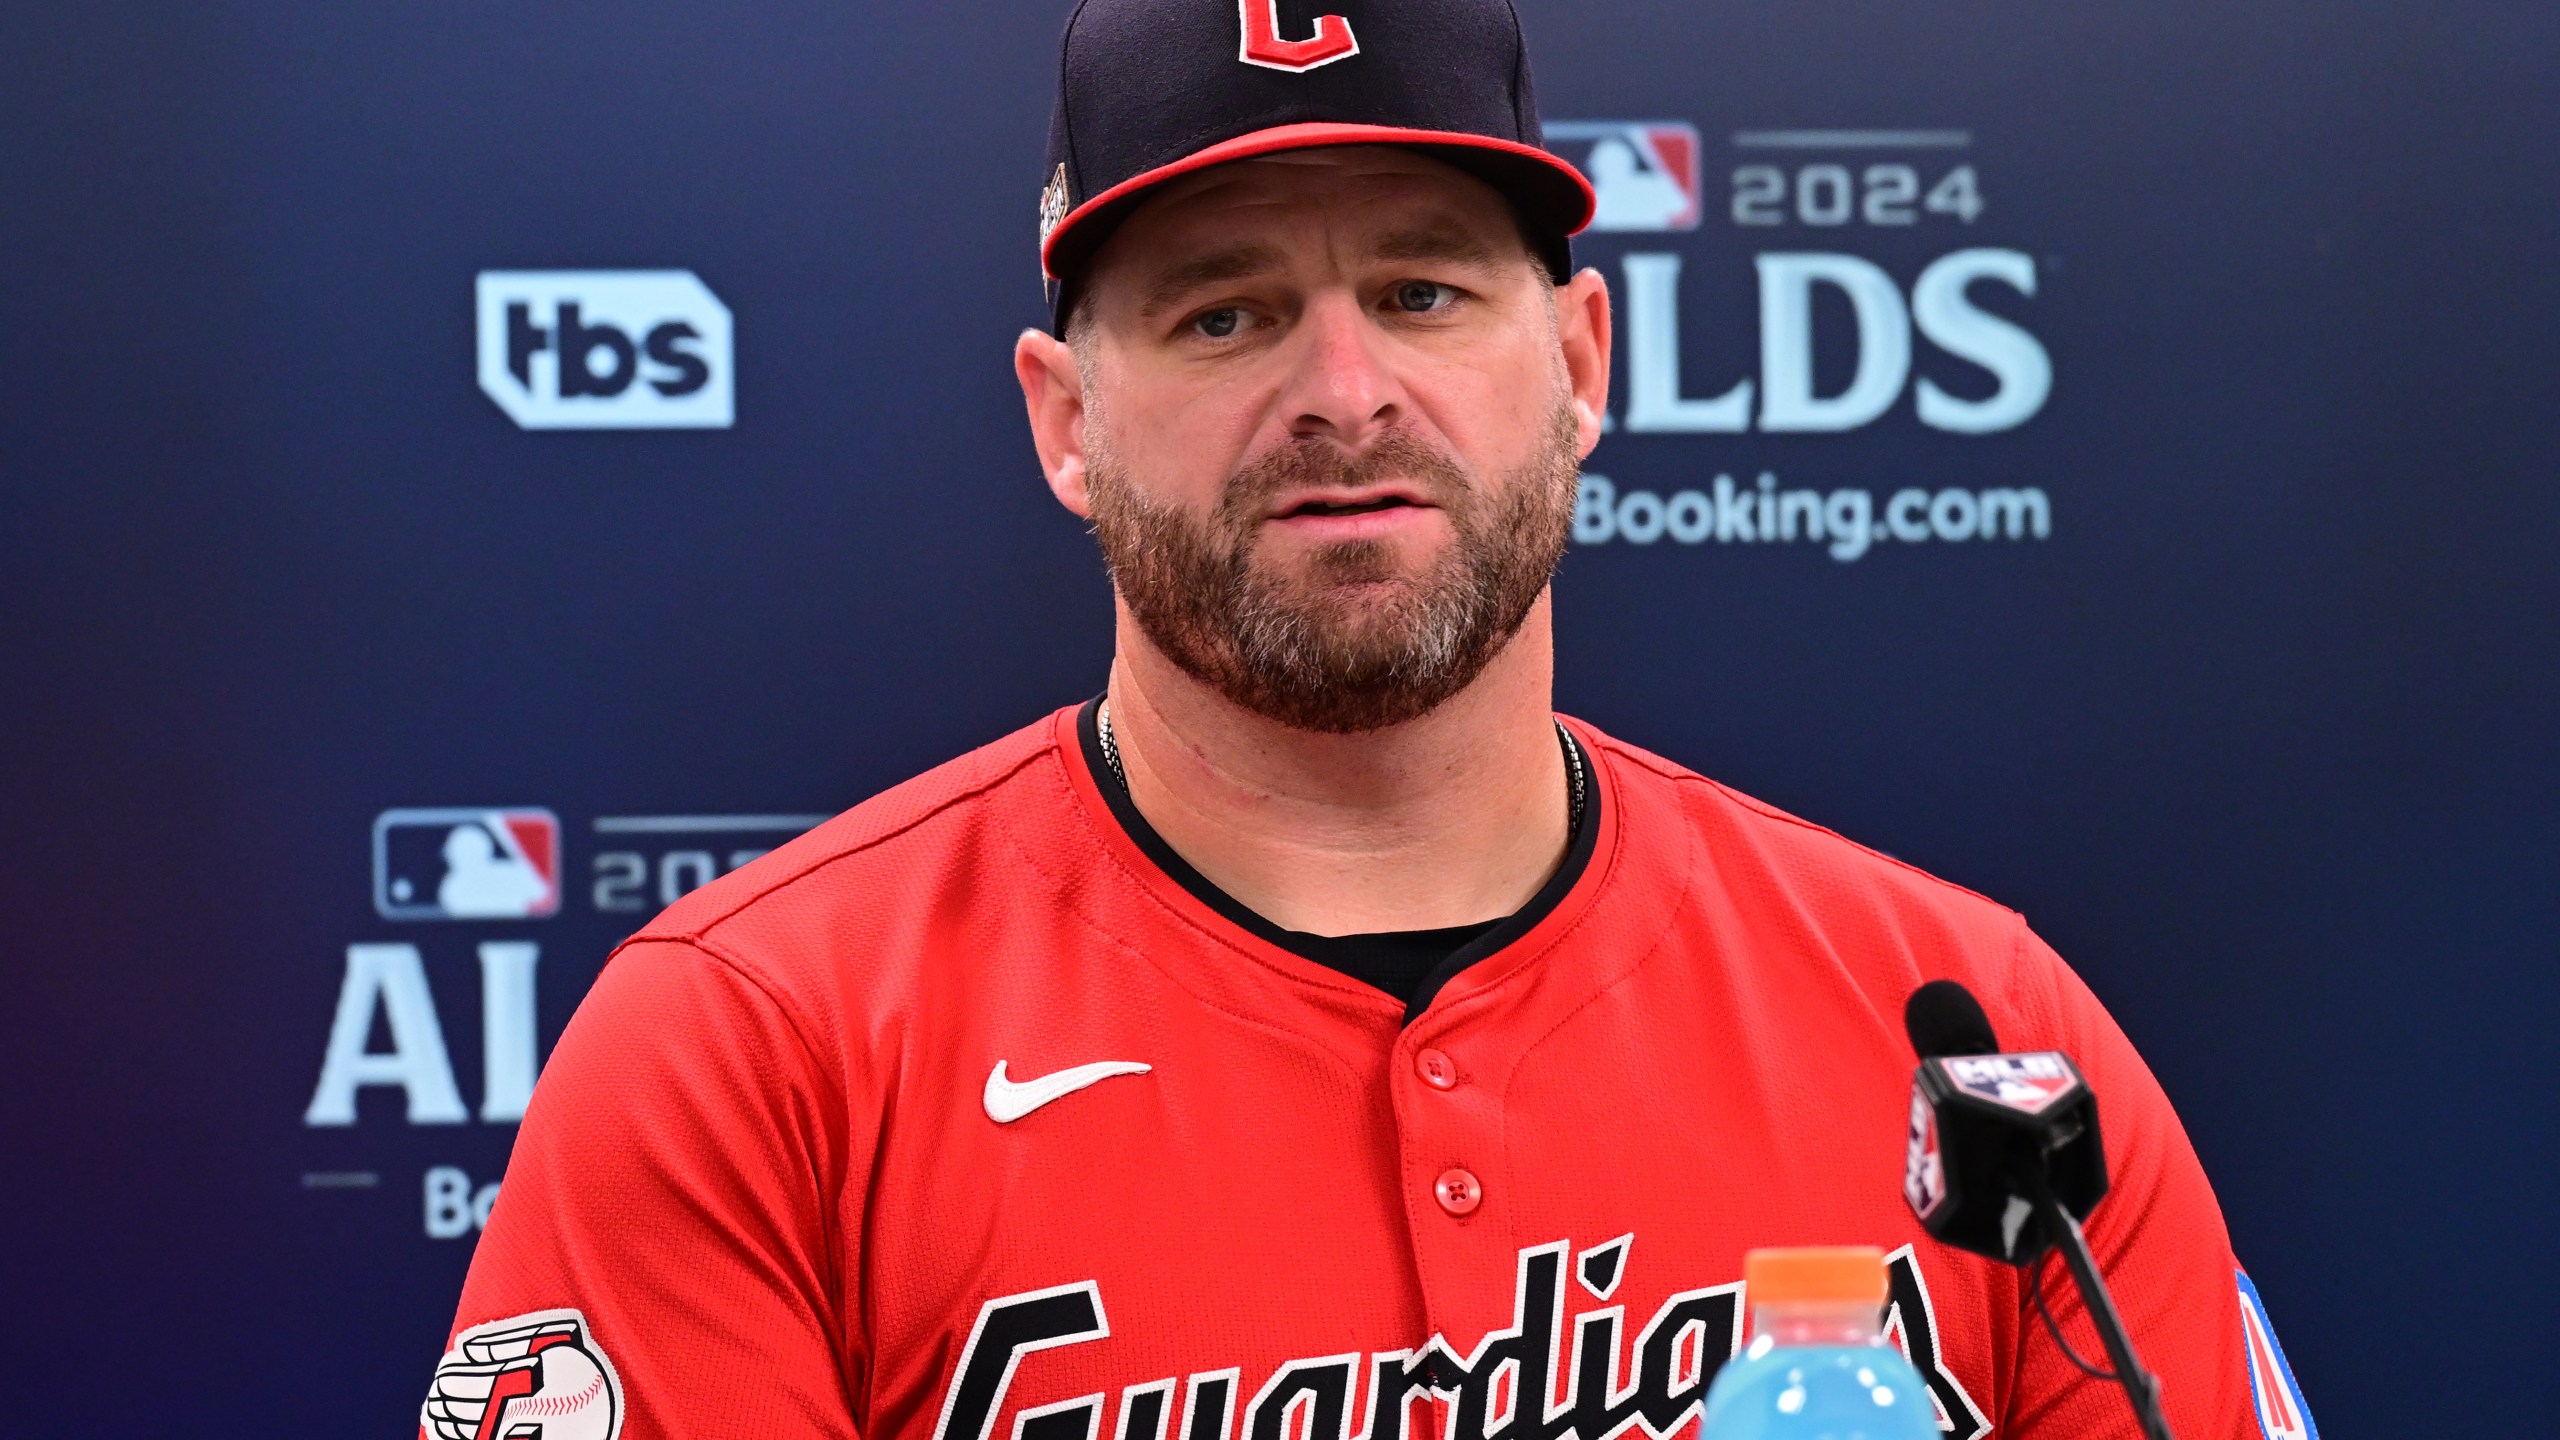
(2005, 1161)
(1943, 1018)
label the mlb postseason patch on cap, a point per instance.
(1053, 205)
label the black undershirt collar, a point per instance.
(1411, 965)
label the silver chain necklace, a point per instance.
(1572, 762)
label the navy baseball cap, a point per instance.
(1149, 90)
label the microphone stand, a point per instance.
(2141, 1387)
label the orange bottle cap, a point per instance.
(1841, 1274)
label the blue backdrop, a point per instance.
(2166, 391)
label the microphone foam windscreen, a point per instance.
(1943, 1018)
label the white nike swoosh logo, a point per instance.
(1008, 1100)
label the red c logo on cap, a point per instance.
(1263, 46)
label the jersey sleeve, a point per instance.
(2158, 1237)
(661, 1259)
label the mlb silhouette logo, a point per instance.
(466, 864)
(1645, 172)
(2028, 1084)
(1924, 1168)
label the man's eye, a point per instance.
(1219, 324)
(1420, 297)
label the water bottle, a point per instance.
(1818, 1366)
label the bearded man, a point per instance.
(1313, 1034)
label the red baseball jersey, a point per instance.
(958, 1119)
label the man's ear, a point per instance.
(1582, 329)
(1053, 393)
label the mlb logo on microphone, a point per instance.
(1924, 1168)
(606, 349)
(2029, 1084)
(1645, 172)
(466, 864)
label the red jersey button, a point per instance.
(1438, 1071)
(1458, 1192)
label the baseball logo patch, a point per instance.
(2272, 1388)
(532, 1377)
(2029, 1084)
(1053, 207)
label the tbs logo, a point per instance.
(1645, 172)
(466, 864)
(605, 349)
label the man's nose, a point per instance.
(1342, 387)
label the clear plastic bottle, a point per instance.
(1818, 1366)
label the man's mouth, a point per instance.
(1350, 502)
(1348, 507)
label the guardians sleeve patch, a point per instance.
(533, 1377)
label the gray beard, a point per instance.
(1352, 645)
